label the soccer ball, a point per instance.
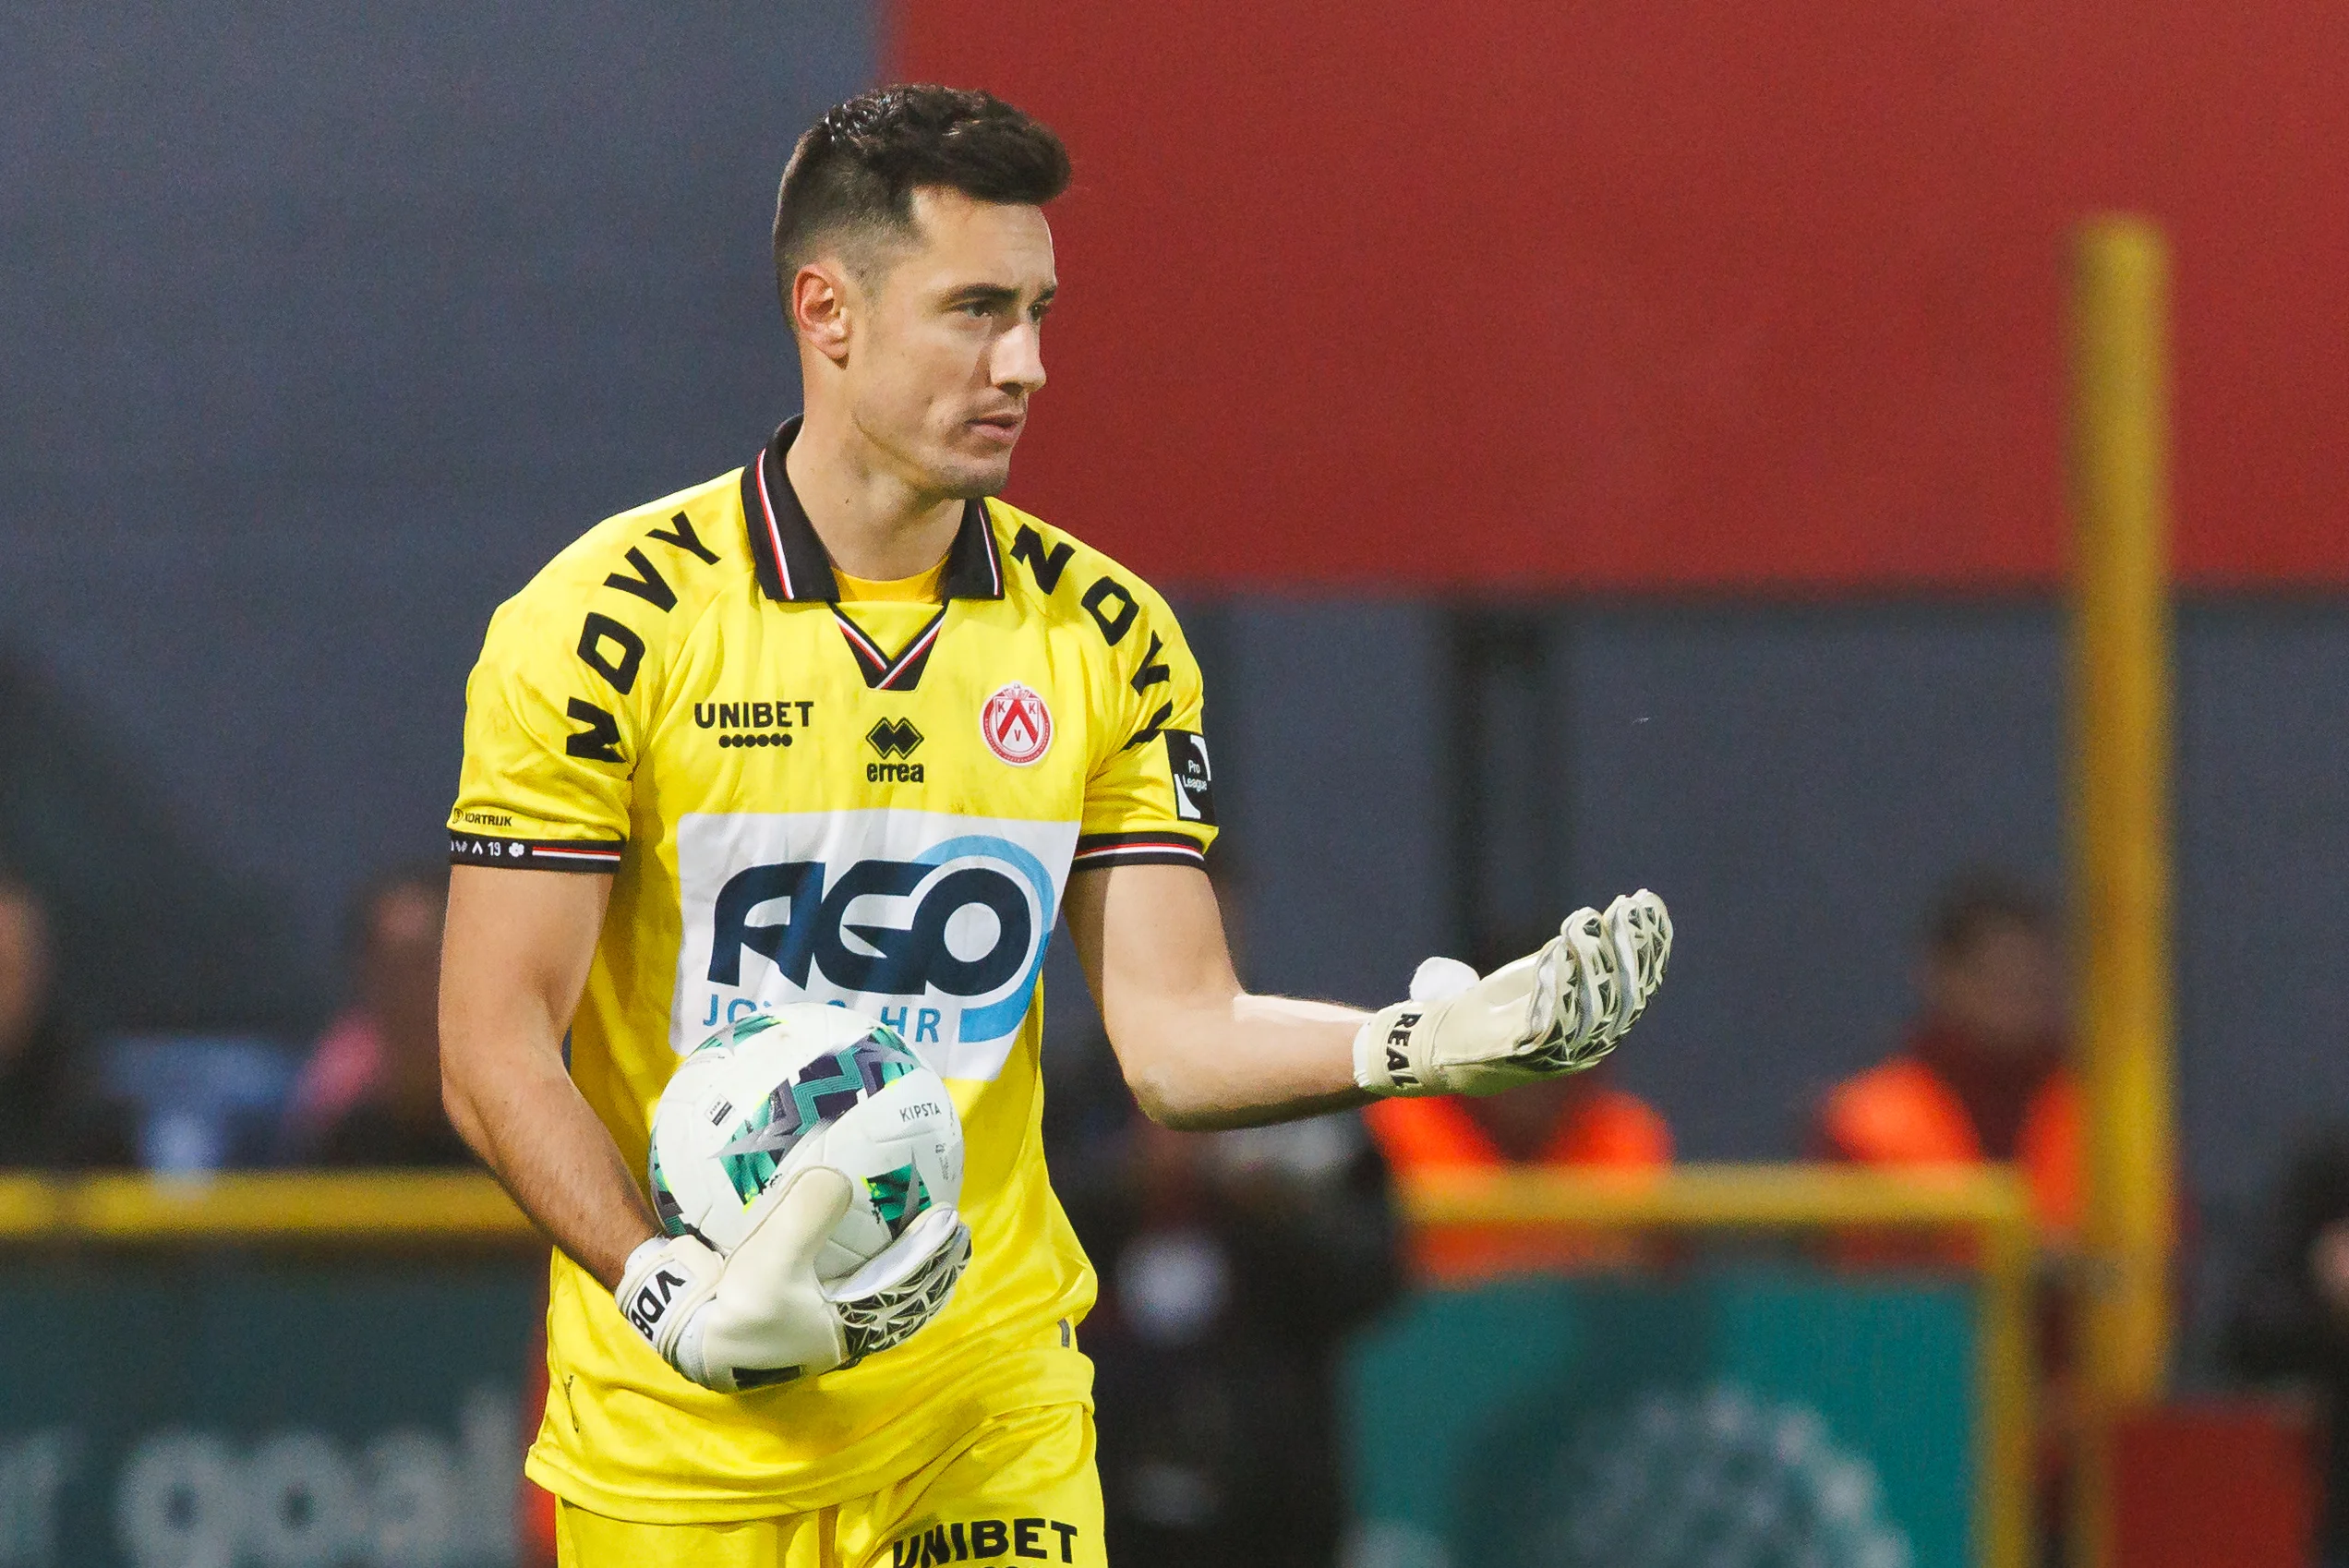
(807, 1084)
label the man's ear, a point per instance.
(821, 301)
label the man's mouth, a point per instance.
(1004, 428)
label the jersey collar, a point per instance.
(793, 565)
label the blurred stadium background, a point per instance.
(1591, 446)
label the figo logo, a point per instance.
(937, 925)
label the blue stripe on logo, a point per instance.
(998, 1018)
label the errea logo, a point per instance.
(892, 738)
(935, 923)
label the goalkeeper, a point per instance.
(770, 740)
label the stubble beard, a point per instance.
(974, 479)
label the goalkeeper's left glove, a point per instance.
(759, 1315)
(1555, 1011)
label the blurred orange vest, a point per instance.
(1905, 1113)
(1603, 1128)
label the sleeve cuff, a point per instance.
(535, 855)
(1096, 851)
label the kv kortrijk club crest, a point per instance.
(1017, 725)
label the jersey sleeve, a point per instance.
(549, 747)
(1150, 797)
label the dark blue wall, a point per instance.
(1797, 781)
(325, 327)
(322, 335)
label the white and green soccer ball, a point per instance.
(807, 1084)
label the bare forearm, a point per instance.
(513, 961)
(556, 1158)
(1198, 1052)
(1242, 1062)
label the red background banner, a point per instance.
(1616, 296)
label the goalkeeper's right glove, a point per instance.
(758, 1316)
(1556, 1011)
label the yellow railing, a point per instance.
(1989, 1205)
(355, 1208)
(366, 1209)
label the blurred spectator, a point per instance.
(370, 1092)
(1231, 1265)
(50, 1112)
(1580, 1122)
(1981, 1076)
(2290, 1318)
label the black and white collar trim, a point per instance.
(794, 566)
(882, 672)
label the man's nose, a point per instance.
(1019, 362)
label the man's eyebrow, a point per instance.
(983, 294)
(996, 296)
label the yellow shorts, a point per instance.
(1022, 1488)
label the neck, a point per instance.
(875, 523)
(1952, 1050)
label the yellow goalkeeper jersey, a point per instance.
(798, 799)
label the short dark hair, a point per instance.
(858, 167)
(1979, 901)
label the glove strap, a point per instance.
(1384, 1060)
(667, 1279)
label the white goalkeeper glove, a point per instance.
(758, 1316)
(1555, 1011)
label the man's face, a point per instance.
(2004, 989)
(946, 349)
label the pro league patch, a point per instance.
(1194, 780)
